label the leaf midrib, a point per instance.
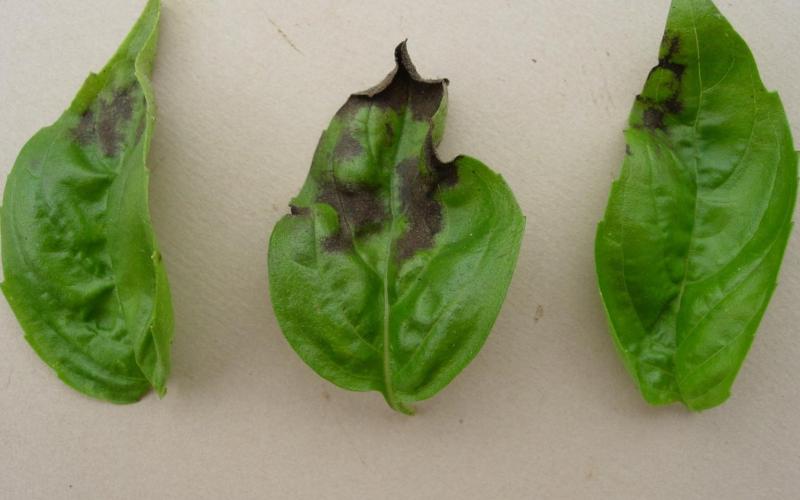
(391, 396)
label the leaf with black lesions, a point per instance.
(82, 269)
(393, 265)
(691, 244)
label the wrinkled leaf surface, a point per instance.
(82, 270)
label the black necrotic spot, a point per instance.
(656, 111)
(402, 87)
(654, 118)
(673, 105)
(670, 47)
(348, 147)
(361, 211)
(418, 194)
(295, 210)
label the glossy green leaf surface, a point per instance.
(393, 265)
(82, 269)
(691, 244)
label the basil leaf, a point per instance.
(82, 270)
(692, 241)
(392, 267)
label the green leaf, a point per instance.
(391, 269)
(82, 269)
(693, 237)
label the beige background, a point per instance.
(540, 90)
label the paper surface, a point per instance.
(540, 91)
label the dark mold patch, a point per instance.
(670, 46)
(84, 132)
(295, 210)
(418, 195)
(402, 87)
(111, 116)
(655, 111)
(653, 118)
(361, 211)
(347, 147)
(673, 105)
(423, 211)
(102, 123)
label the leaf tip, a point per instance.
(404, 64)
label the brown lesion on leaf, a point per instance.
(111, 116)
(670, 48)
(84, 132)
(673, 105)
(295, 210)
(402, 87)
(653, 118)
(361, 211)
(655, 111)
(347, 147)
(418, 192)
(103, 122)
